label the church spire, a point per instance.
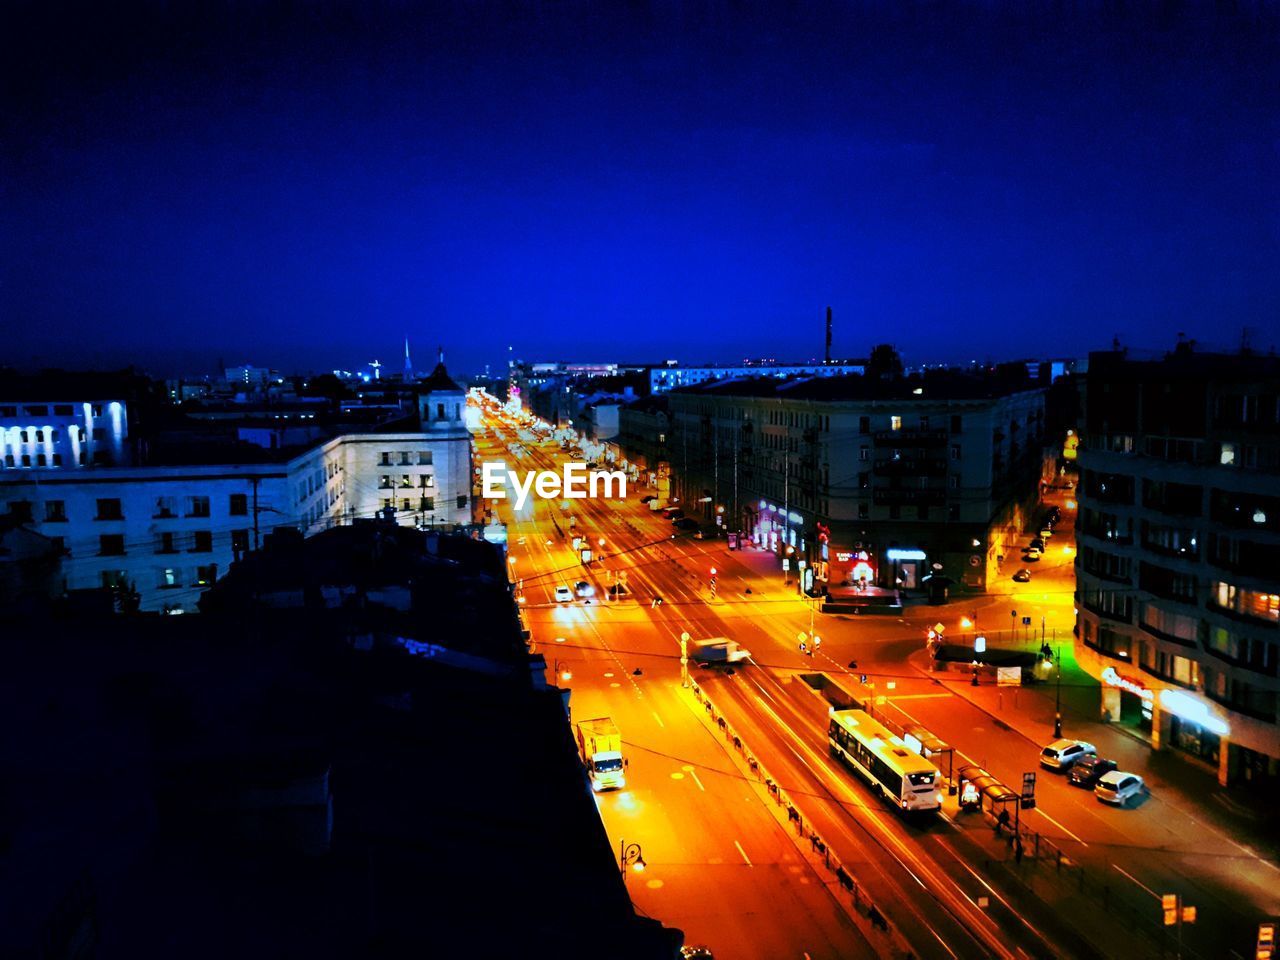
(408, 364)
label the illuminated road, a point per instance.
(704, 828)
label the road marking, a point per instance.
(1062, 828)
(659, 719)
(694, 774)
(744, 853)
(916, 696)
(1138, 882)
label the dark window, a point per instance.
(462, 501)
(62, 410)
(197, 506)
(202, 541)
(165, 543)
(955, 424)
(864, 424)
(111, 545)
(239, 505)
(20, 510)
(55, 511)
(109, 509)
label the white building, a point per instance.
(168, 531)
(63, 434)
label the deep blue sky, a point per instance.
(632, 180)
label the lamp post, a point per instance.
(629, 854)
(562, 672)
(1057, 697)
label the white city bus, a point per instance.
(909, 780)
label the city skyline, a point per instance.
(993, 182)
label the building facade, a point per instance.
(1178, 567)
(866, 480)
(672, 376)
(162, 532)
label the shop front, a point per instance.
(1128, 700)
(1193, 727)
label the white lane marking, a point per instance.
(658, 718)
(916, 696)
(1138, 882)
(744, 853)
(1061, 827)
(694, 774)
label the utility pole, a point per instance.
(684, 659)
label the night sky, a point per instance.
(301, 187)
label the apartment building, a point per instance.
(65, 421)
(1178, 568)
(866, 479)
(161, 532)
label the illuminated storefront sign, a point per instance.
(1114, 679)
(896, 554)
(1187, 707)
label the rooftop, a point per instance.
(932, 384)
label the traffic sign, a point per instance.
(1026, 621)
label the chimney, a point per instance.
(828, 334)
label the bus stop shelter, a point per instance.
(995, 796)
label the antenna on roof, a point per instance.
(441, 354)
(828, 334)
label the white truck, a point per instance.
(719, 650)
(600, 745)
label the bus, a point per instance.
(894, 770)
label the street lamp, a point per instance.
(1057, 697)
(629, 853)
(561, 670)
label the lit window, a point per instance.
(895, 423)
(1227, 454)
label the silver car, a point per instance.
(1061, 754)
(1117, 787)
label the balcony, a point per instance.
(910, 468)
(885, 496)
(910, 438)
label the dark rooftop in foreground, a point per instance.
(270, 782)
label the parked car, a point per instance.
(584, 589)
(1046, 533)
(685, 523)
(1037, 543)
(1061, 754)
(1087, 771)
(1022, 576)
(1117, 787)
(647, 497)
(563, 594)
(1032, 554)
(673, 513)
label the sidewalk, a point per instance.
(1029, 711)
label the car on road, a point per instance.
(1038, 544)
(673, 513)
(685, 523)
(1087, 771)
(1118, 787)
(1022, 576)
(647, 497)
(1032, 554)
(563, 594)
(1061, 754)
(584, 589)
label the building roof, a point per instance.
(439, 381)
(934, 384)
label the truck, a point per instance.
(719, 650)
(600, 745)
